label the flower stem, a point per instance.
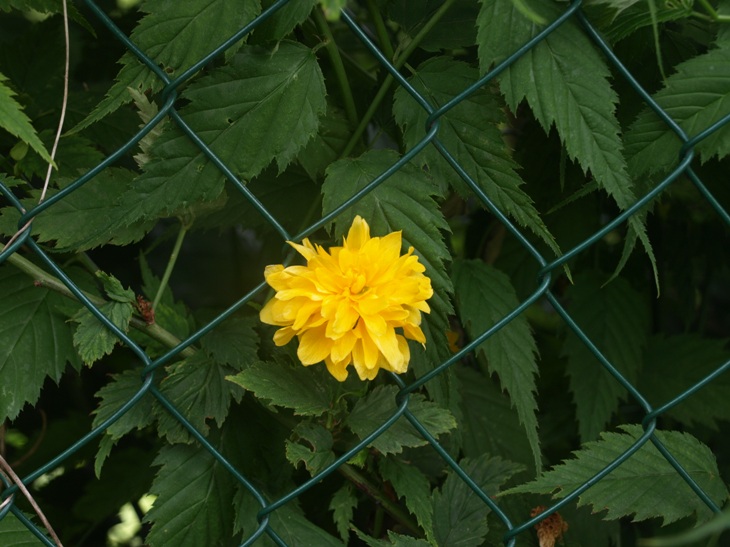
(338, 67)
(44, 279)
(392, 508)
(170, 264)
(398, 63)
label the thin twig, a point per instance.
(59, 130)
(13, 477)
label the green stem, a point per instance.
(338, 67)
(398, 63)
(383, 38)
(378, 521)
(170, 264)
(708, 7)
(393, 509)
(44, 279)
(85, 260)
(713, 13)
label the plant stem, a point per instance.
(393, 509)
(398, 63)
(170, 264)
(44, 279)
(85, 260)
(338, 67)
(385, 44)
(713, 13)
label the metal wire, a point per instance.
(148, 365)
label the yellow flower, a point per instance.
(355, 304)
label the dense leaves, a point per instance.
(485, 297)
(175, 37)
(263, 106)
(615, 319)
(231, 127)
(469, 132)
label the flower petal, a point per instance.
(389, 347)
(314, 346)
(283, 336)
(338, 370)
(358, 235)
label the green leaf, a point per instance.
(14, 533)
(645, 486)
(616, 319)
(11, 182)
(327, 144)
(46, 7)
(14, 121)
(619, 19)
(114, 289)
(490, 423)
(565, 82)
(460, 516)
(372, 411)
(695, 96)
(194, 504)
(92, 339)
(343, 505)
(87, 218)
(286, 18)
(307, 391)
(484, 296)
(233, 342)
(119, 391)
(35, 341)
(113, 396)
(394, 540)
(146, 110)
(470, 132)
(263, 106)
(198, 389)
(708, 532)
(412, 485)
(312, 446)
(295, 529)
(175, 36)
(673, 364)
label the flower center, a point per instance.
(356, 282)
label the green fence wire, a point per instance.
(542, 285)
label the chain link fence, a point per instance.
(542, 286)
